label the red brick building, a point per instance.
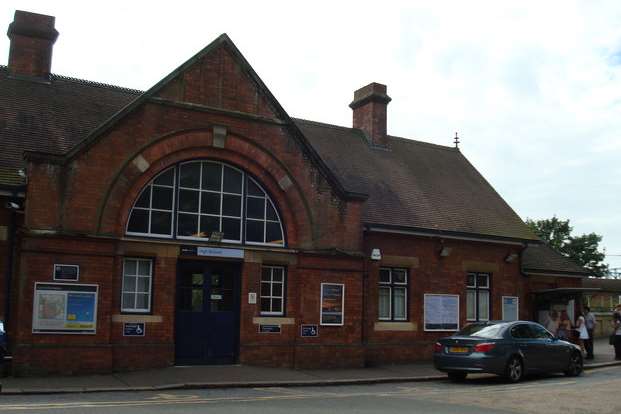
(196, 222)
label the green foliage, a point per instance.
(583, 249)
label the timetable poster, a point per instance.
(64, 308)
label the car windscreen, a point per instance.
(482, 331)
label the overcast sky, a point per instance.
(532, 87)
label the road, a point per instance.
(597, 391)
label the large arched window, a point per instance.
(194, 199)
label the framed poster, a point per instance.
(60, 308)
(441, 312)
(510, 308)
(66, 272)
(332, 304)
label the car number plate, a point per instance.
(458, 350)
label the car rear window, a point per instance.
(482, 331)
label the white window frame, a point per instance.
(475, 288)
(390, 285)
(271, 282)
(135, 292)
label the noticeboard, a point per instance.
(510, 308)
(332, 304)
(66, 272)
(61, 308)
(441, 312)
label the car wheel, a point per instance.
(575, 366)
(457, 376)
(515, 369)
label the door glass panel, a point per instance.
(197, 299)
(221, 297)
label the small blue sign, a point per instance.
(309, 331)
(269, 328)
(133, 329)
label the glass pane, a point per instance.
(162, 198)
(138, 221)
(142, 301)
(271, 212)
(144, 267)
(166, 178)
(255, 208)
(276, 305)
(254, 231)
(128, 301)
(265, 305)
(189, 175)
(266, 289)
(470, 281)
(254, 189)
(384, 276)
(277, 274)
(210, 203)
(187, 224)
(266, 274)
(399, 276)
(273, 233)
(216, 280)
(482, 281)
(197, 279)
(232, 181)
(161, 223)
(483, 305)
(144, 199)
(400, 303)
(384, 303)
(231, 205)
(212, 176)
(277, 289)
(188, 201)
(130, 267)
(471, 304)
(209, 224)
(197, 300)
(129, 284)
(143, 284)
(231, 228)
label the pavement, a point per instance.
(229, 376)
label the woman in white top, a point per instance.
(582, 331)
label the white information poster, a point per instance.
(64, 308)
(510, 308)
(441, 312)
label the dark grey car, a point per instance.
(510, 349)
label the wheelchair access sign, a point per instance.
(133, 329)
(309, 331)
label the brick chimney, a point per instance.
(32, 38)
(369, 105)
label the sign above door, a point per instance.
(211, 252)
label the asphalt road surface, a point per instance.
(597, 391)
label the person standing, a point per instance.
(616, 326)
(590, 325)
(583, 334)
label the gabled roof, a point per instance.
(413, 185)
(542, 259)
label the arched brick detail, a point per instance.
(181, 146)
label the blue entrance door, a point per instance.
(207, 312)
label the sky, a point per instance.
(533, 88)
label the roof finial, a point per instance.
(456, 141)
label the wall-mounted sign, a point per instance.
(211, 252)
(64, 308)
(309, 331)
(252, 298)
(133, 329)
(66, 272)
(269, 328)
(510, 308)
(441, 312)
(332, 303)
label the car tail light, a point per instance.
(437, 348)
(484, 347)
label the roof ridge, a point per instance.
(425, 143)
(55, 76)
(324, 124)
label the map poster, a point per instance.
(64, 308)
(332, 303)
(441, 312)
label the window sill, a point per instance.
(136, 317)
(273, 320)
(395, 326)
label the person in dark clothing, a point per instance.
(616, 331)
(590, 325)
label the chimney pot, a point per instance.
(32, 39)
(370, 112)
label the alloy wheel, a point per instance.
(515, 369)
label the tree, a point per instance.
(583, 249)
